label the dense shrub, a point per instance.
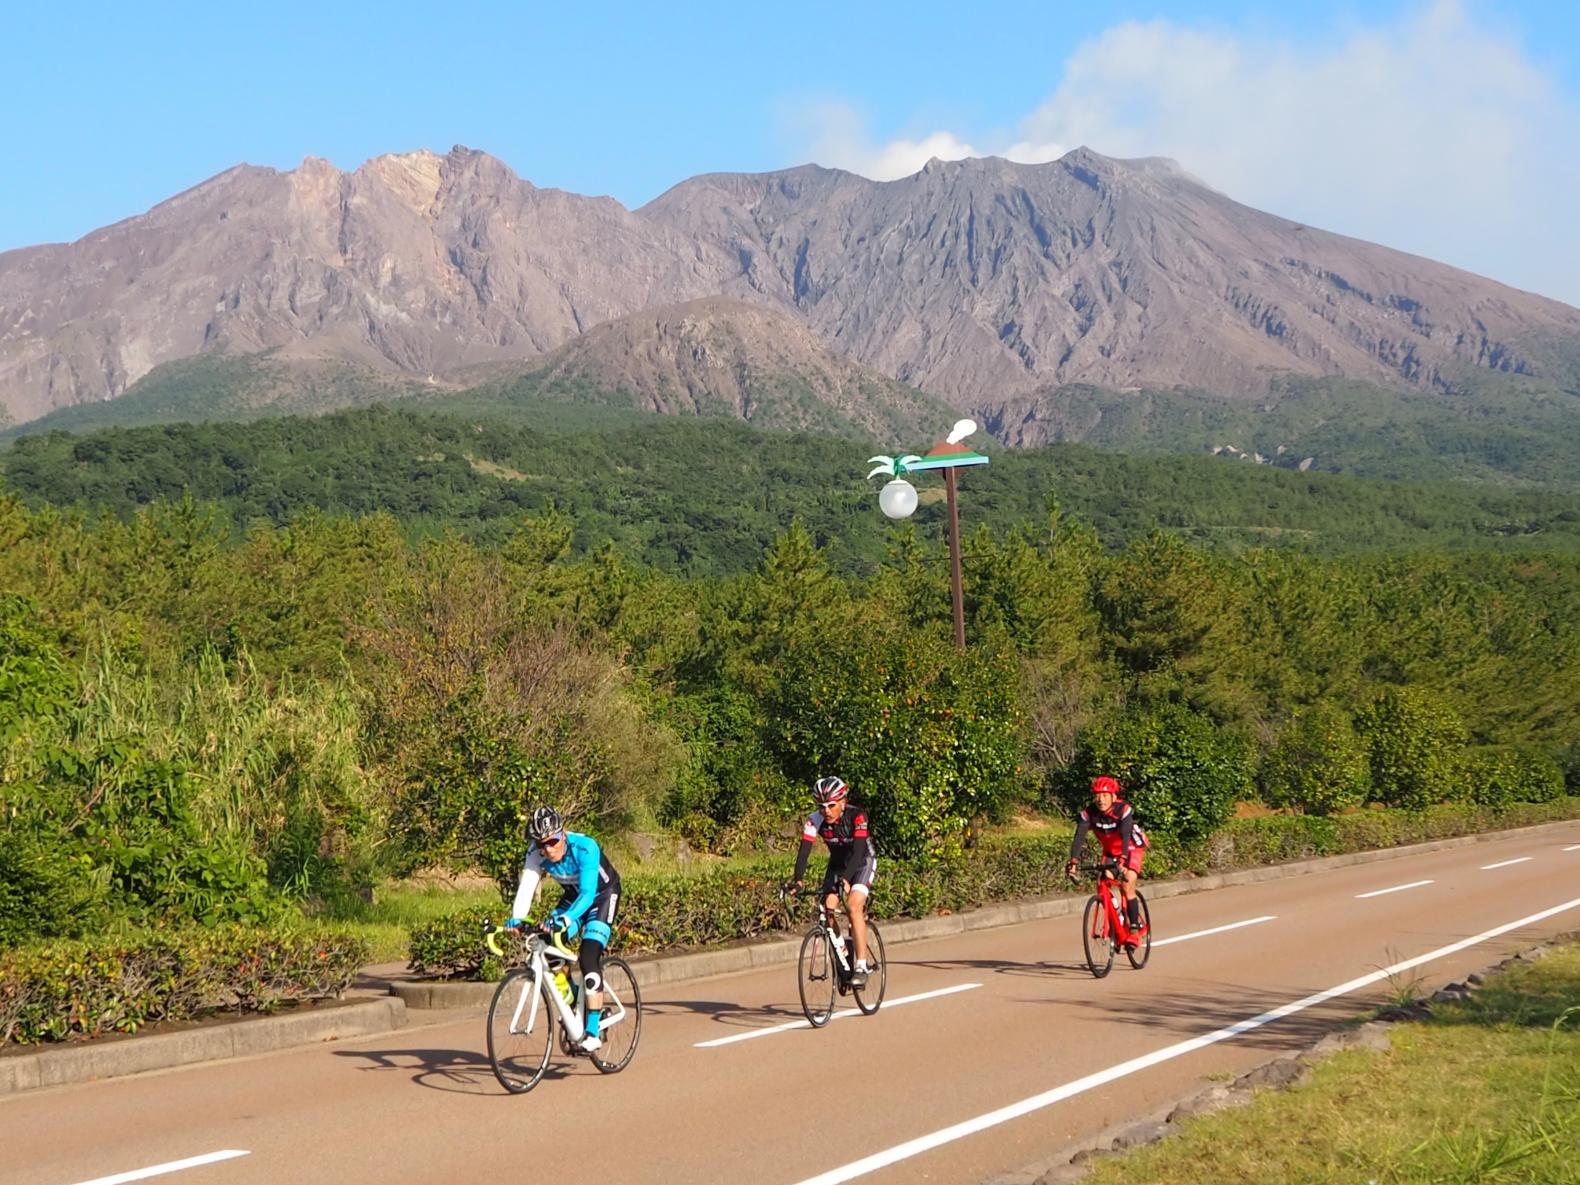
(69, 990)
(927, 736)
(1501, 777)
(1181, 772)
(1319, 765)
(1417, 747)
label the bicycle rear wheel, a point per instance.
(520, 1031)
(1142, 951)
(816, 976)
(1095, 937)
(621, 1026)
(870, 997)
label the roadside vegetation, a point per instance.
(209, 724)
(1486, 1090)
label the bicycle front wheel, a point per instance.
(816, 976)
(621, 1021)
(520, 1031)
(1095, 936)
(1142, 951)
(868, 998)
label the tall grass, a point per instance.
(277, 763)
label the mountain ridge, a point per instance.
(980, 281)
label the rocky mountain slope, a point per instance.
(726, 357)
(981, 281)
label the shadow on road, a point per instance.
(1196, 1008)
(457, 1071)
(727, 1013)
(1045, 969)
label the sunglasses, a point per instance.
(544, 845)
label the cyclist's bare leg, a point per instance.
(856, 904)
(831, 905)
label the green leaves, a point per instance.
(927, 736)
(1181, 772)
(67, 991)
(1417, 746)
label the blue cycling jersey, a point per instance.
(583, 871)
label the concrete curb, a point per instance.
(67, 1065)
(754, 954)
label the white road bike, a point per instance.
(529, 1005)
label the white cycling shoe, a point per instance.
(588, 1044)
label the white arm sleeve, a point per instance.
(526, 890)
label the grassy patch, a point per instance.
(387, 922)
(1486, 1091)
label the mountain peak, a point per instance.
(976, 279)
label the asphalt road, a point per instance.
(1027, 1054)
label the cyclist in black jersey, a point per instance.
(851, 861)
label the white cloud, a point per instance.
(838, 139)
(1435, 132)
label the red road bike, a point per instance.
(1104, 927)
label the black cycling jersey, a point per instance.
(849, 843)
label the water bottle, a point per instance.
(562, 984)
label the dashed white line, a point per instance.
(806, 1024)
(910, 1148)
(1574, 847)
(1215, 930)
(170, 1166)
(1505, 863)
(1394, 889)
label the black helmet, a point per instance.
(544, 823)
(829, 790)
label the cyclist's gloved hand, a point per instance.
(1071, 868)
(791, 888)
(560, 922)
(515, 923)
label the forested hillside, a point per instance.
(706, 496)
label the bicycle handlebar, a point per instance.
(554, 939)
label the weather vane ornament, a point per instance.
(898, 498)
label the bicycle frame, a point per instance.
(829, 920)
(543, 959)
(1109, 893)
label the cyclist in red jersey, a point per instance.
(1111, 818)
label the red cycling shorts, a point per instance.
(1134, 862)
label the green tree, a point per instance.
(1182, 772)
(1417, 747)
(928, 737)
(1319, 765)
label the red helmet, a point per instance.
(1105, 785)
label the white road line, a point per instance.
(1394, 889)
(806, 1024)
(1505, 863)
(171, 1166)
(1037, 1102)
(1574, 847)
(1215, 930)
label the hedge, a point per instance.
(67, 991)
(690, 910)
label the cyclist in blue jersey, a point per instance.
(591, 891)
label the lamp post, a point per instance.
(898, 498)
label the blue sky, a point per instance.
(1458, 117)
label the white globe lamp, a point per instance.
(898, 499)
